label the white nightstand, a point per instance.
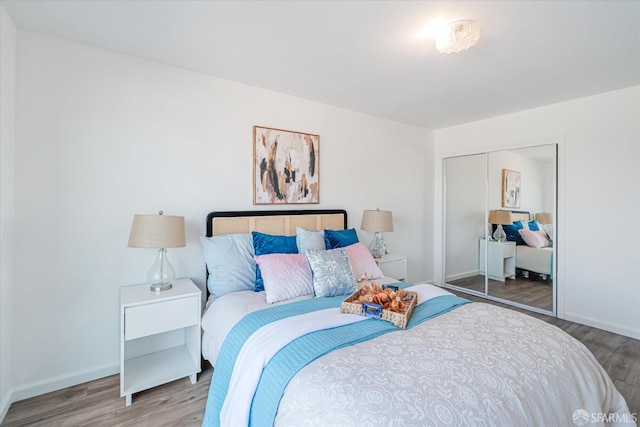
(159, 336)
(502, 259)
(394, 266)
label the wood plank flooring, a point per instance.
(532, 292)
(180, 403)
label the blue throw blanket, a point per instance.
(297, 354)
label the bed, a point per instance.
(529, 258)
(300, 362)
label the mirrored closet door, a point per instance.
(499, 225)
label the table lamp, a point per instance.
(379, 222)
(500, 218)
(544, 218)
(158, 232)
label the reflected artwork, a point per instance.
(510, 189)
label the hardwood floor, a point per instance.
(180, 403)
(98, 403)
(532, 292)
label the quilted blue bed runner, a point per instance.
(300, 352)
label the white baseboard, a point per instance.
(462, 275)
(611, 327)
(4, 405)
(47, 385)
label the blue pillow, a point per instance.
(265, 244)
(512, 232)
(334, 239)
(534, 226)
(230, 263)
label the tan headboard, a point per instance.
(274, 222)
(520, 216)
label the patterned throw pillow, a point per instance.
(332, 273)
(285, 276)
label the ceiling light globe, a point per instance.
(457, 36)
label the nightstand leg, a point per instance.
(127, 398)
(193, 378)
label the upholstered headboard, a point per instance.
(520, 216)
(515, 216)
(282, 222)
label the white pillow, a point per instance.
(309, 240)
(362, 262)
(285, 276)
(230, 263)
(535, 239)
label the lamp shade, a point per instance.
(157, 231)
(500, 217)
(380, 221)
(544, 217)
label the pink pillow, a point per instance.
(535, 239)
(362, 262)
(285, 276)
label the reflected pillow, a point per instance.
(309, 239)
(534, 226)
(340, 238)
(362, 263)
(535, 239)
(512, 232)
(285, 276)
(230, 263)
(264, 244)
(332, 273)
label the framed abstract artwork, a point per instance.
(510, 189)
(286, 167)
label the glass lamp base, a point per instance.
(157, 287)
(377, 247)
(499, 234)
(161, 273)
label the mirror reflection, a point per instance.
(514, 196)
(465, 226)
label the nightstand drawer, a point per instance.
(159, 317)
(508, 250)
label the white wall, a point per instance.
(102, 136)
(598, 198)
(7, 202)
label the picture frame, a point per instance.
(511, 190)
(286, 167)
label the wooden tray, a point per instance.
(352, 305)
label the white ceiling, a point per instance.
(371, 56)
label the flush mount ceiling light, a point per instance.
(457, 36)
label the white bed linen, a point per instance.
(268, 340)
(224, 312)
(476, 365)
(537, 260)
